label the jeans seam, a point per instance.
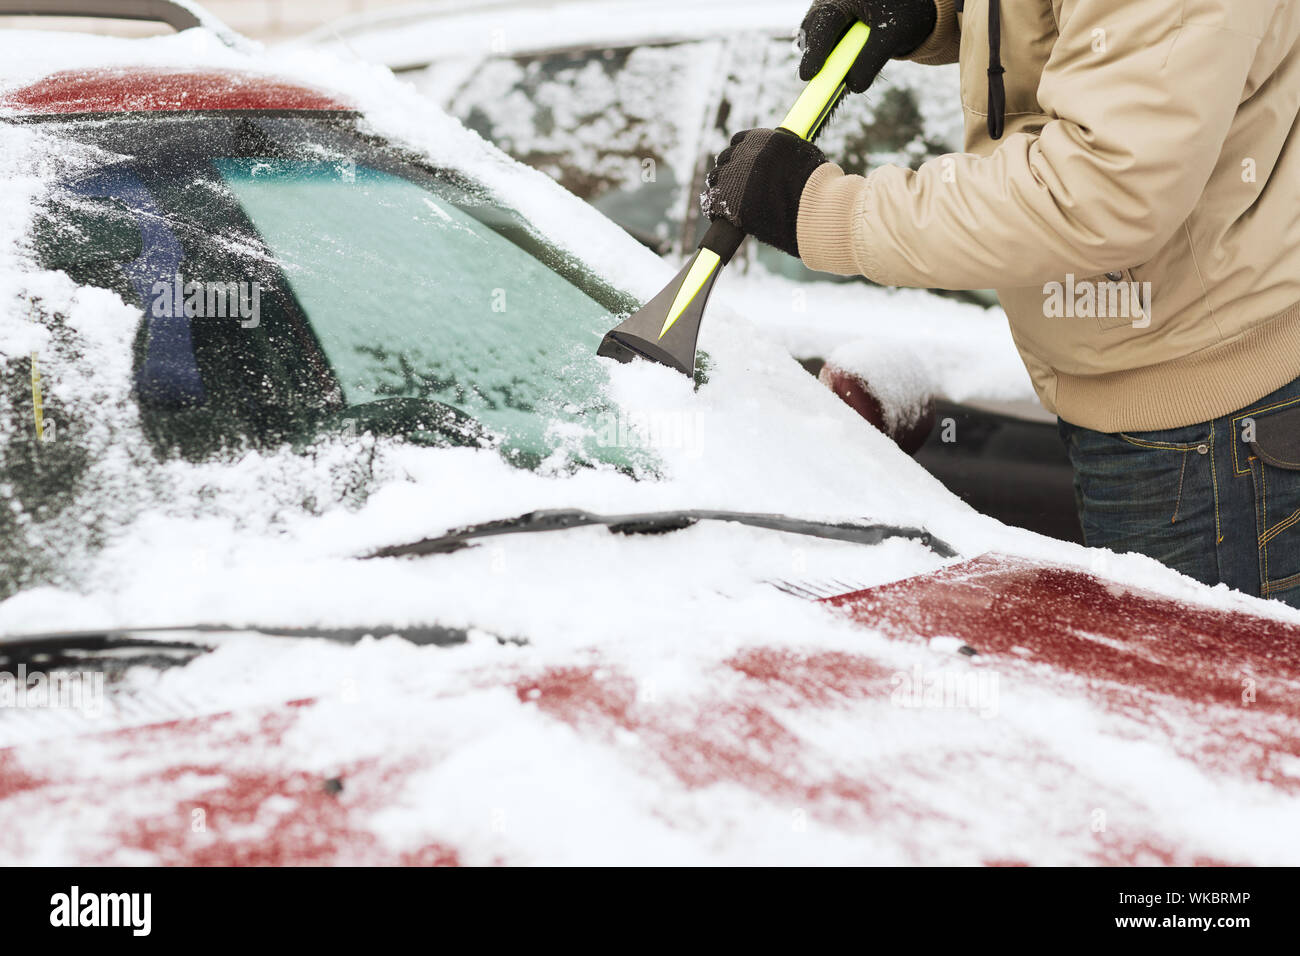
(1178, 500)
(1282, 585)
(1256, 505)
(1278, 528)
(1278, 462)
(1214, 478)
(1263, 514)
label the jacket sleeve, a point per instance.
(1140, 99)
(944, 41)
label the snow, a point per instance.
(169, 543)
(908, 338)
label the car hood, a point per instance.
(1078, 732)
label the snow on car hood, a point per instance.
(231, 542)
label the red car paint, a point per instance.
(1047, 615)
(1217, 684)
(149, 89)
(216, 776)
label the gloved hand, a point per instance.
(897, 28)
(757, 183)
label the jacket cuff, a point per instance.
(944, 43)
(828, 208)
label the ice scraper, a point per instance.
(666, 327)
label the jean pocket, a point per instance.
(1141, 485)
(1274, 459)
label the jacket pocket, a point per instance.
(1274, 442)
(1121, 300)
(1028, 36)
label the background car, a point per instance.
(506, 615)
(626, 103)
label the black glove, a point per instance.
(898, 27)
(757, 183)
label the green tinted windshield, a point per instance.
(412, 297)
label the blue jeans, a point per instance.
(1219, 501)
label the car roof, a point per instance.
(155, 89)
(46, 72)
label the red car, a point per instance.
(276, 327)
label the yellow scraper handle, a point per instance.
(804, 120)
(824, 90)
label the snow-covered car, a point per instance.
(626, 102)
(377, 562)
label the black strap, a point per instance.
(997, 89)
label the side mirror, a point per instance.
(904, 410)
(79, 231)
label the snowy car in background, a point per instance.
(626, 103)
(328, 539)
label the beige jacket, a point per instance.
(1154, 140)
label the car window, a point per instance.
(619, 127)
(272, 303)
(906, 118)
(296, 277)
(412, 297)
(633, 130)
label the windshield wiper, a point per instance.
(660, 522)
(189, 637)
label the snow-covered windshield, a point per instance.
(412, 297)
(296, 276)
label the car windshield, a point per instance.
(296, 276)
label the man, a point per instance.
(1131, 186)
